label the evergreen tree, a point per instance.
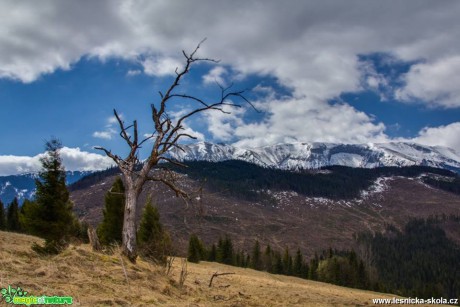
(195, 249)
(52, 218)
(225, 251)
(287, 262)
(212, 255)
(313, 269)
(110, 230)
(28, 208)
(256, 258)
(154, 241)
(278, 264)
(12, 222)
(298, 263)
(2, 217)
(268, 259)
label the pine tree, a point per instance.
(2, 217)
(110, 230)
(52, 218)
(154, 242)
(12, 221)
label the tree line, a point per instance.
(417, 261)
(338, 267)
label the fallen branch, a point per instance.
(216, 275)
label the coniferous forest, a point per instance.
(248, 181)
(418, 261)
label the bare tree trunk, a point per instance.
(129, 224)
(93, 239)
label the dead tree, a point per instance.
(167, 134)
(93, 239)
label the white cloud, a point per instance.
(447, 135)
(307, 119)
(161, 66)
(132, 73)
(73, 159)
(216, 74)
(221, 125)
(434, 82)
(309, 46)
(109, 130)
(107, 135)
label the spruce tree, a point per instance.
(287, 262)
(195, 249)
(12, 221)
(268, 259)
(2, 217)
(154, 242)
(52, 218)
(227, 251)
(212, 255)
(110, 230)
(298, 263)
(256, 263)
(28, 208)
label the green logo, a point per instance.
(19, 297)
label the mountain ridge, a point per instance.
(297, 156)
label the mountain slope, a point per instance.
(315, 155)
(279, 215)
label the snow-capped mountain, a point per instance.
(315, 155)
(23, 186)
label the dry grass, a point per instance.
(99, 280)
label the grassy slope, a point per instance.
(98, 280)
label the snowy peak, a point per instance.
(23, 186)
(314, 155)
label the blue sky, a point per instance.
(334, 72)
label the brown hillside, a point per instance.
(295, 220)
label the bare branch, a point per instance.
(173, 162)
(216, 275)
(123, 129)
(179, 192)
(109, 154)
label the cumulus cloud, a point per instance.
(221, 125)
(447, 135)
(433, 82)
(73, 159)
(310, 47)
(297, 120)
